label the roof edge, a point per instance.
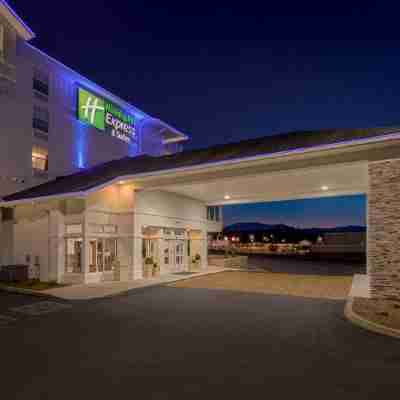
(348, 143)
(19, 25)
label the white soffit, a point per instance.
(296, 184)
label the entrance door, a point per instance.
(174, 255)
(103, 255)
(179, 254)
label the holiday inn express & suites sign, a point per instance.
(105, 116)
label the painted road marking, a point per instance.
(5, 320)
(42, 307)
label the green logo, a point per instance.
(105, 116)
(91, 109)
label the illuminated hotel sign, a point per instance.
(105, 116)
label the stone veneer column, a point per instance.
(383, 248)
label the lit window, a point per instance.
(40, 159)
(217, 213)
(41, 82)
(2, 42)
(40, 118)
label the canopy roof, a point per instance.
(131, 167)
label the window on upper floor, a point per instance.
(41, 84)
(213, 213)
(217, 216)
(40, 159)
(40, 119)
(2, 43)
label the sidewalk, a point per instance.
(110, 289)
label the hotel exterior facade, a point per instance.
(94, 189)
(54, 122)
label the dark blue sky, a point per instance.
(327, 213)
(225, 71)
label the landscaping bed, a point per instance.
(382, 312)
(32, 284)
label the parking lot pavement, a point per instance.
(294, 265)
(174, 343)
(15, 308)
(8, 300)
(313, 286)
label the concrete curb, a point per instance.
(150, 286)
(366, 324)
(53, 296)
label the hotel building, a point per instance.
(94, 189)
(54, 122)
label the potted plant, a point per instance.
(156, 269)
(148, 267)
(196, 262)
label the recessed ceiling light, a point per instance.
(121, 182)
(227, 197)
(324, 188)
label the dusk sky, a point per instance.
(327, 213)
(237, 70)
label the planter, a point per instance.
(156, 271)
(194, 266)
(147, 271)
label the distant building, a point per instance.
(341, 242)
(345, 238)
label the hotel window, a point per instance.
(73, 255)
(40, 119)
(2, 43)
(217, 213)
(213, 213)
(41, 84)
(40, 159)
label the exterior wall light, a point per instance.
(227, 197)
(324, 188)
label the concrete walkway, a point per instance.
(110, 289)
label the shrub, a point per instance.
(149, 260)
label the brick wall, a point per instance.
(384, 229)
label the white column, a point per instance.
(56, 246)
(85, 245)
(204, 250)
(137, 267)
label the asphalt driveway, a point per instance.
(315, 286)
(179, 343)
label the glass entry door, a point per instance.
(174, 255)
(103, 254)
(179, 254)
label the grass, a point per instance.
(314, 286)
(32, 284)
